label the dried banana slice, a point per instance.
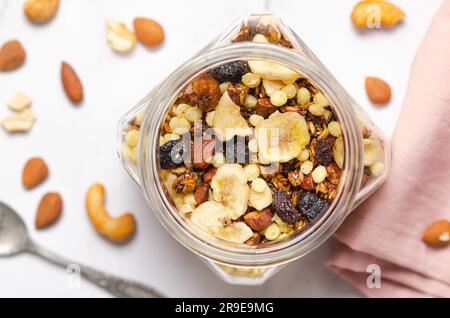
(228, 121)
(281, 137)
(230, 188)
(272, 71)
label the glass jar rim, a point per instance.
(201, 242)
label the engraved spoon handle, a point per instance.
(116, 286)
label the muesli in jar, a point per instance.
(252, 151)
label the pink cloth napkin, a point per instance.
(387, 229)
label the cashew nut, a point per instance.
(115, 229)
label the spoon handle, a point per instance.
(116, 286)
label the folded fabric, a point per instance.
(386, 230)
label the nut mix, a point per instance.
(252, 151)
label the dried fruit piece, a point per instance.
(231, 72)
(284, 208)
(185, 182)
(230, 188)
(260, 194)
(119, 37)
(264, 107)
(71, 82)
(311, 205)
(378, 91)
(171, 154)
(273, 71)
(258, 220)
(281, 137)
(437, 234)
(19, 123)
(201, 194)
(323, 150)
(12, 55)
(237, 93)
(116, 229)
(34, 172)
(374, 13)
(228, 121)
(49, 210)
(207, 92)
(40, 11)
(148, 31)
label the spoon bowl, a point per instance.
(14, 237)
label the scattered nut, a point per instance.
(119, 37)
(201, 194)
(374, 13)
(72, 84)
(19, 102)
(34, 172)
(12, 55)
(40, 11)
(115, 229)
(437, 234)
(378, 90)
(19, 123)
(49, 210)
(264, 107)
(149, 32)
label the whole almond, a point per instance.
(148, 31)
(34, 172)
(40, 11)
(71, 82)
(437, 234)
(49, 210)
(378, 90)
(12, 55)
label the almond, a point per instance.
(49, 210)
(148, 31)
(40, 11)
(34, 172)
(378, 90)
(72, 84)
(437, 234)
(258, 220)
(12, 55)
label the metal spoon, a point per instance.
(14, 239)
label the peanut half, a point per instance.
(115, 229)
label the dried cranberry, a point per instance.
(311, 205)
(172, 153)
(230, 72)
(284, 208)
(323, 151)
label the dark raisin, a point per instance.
(284, 208)
(323, 151)
(311, 205)
(230, 72)
(172, 153)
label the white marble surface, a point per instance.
(79, 142)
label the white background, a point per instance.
(79, 143)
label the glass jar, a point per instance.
(361, 140)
